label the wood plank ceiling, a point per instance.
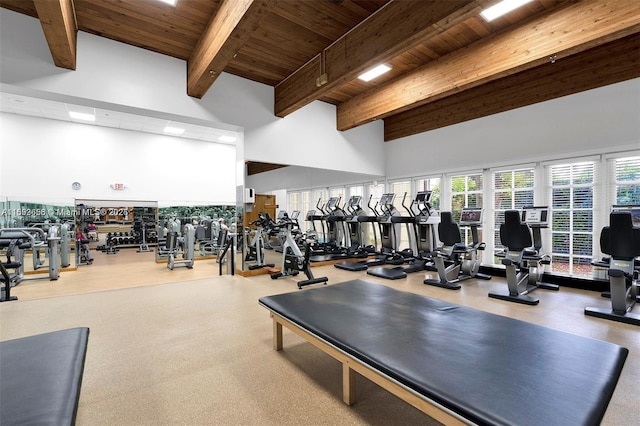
(448, 64)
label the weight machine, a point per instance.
(181, 246)
(18, 240)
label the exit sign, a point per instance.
(118, 186)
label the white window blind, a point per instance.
(512, 190)
(339, 193)
(625, 180)
(305, 204)
(573, 199)
(294, 201)
(357, 190)
(466, 191)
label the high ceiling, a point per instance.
(448, 64)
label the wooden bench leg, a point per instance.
(277, 334)
(348, 384)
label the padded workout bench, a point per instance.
(457, 364)
(41, 377)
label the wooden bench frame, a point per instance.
(352, 365)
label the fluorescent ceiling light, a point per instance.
(227, 138)
(374, 72)
(82, 116)
(169, 2)
(499, 9)
(173, 130)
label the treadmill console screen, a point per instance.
(536, 216)
(355, 200)
(471, 216)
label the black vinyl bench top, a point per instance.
(41, 376)
(487, 368)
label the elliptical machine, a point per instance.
(293, 260)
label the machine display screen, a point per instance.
(387, 199)
(471, 216)
(536, 216)
(332, 203)
(424, 196)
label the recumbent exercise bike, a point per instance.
(522, 256)
(621, 241)
(454, 260)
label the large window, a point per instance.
(572, 199)
(580, 193)
(466, 191)
(433, 185)
(512, 190)
(626, 180)
(294, 201)
(304, 206)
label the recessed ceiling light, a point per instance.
(82, 116)
(173, 130)
(227, 138)
(374, 72)
(169, 2)
(499, 9)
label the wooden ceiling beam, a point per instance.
(394, 28)
(226, 33)
(607, 64)
(559, 34)
(58, 22)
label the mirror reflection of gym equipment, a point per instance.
(35, 243)
(126, 230)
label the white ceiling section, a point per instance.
(43, 108)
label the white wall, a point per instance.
(41, 158)
(119, 75)
(602, 120)
(295, 178)
(307, 137)
(106, 71)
